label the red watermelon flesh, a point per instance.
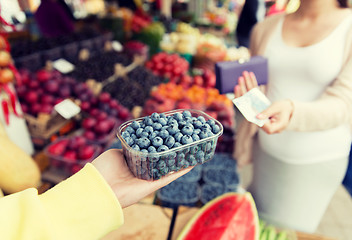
(232, 216)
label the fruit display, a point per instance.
(227, 178)
(178, 193)
(70, 154)
(132, 48)
(169, 96)
(201, 77)
(99, 67)
(151, 35)
(18, 171)
(229, 216)
(133, 90)
(158, 144)
(183, 43)
(220, 163)
(270, 232)
(192, 176)
(167, 65)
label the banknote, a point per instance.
(251, 104)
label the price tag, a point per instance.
(63, 66)
(67, 108)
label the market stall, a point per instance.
(118, 79)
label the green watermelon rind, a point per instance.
(248, 196)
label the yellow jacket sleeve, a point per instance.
(81, 207)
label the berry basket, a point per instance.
(178, 193)
(68, 155)
(186, 150)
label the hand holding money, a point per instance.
(256, 108)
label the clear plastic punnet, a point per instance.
(154, 165)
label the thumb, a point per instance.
(267, 113)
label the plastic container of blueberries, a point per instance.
(178, 193)
(145, 165)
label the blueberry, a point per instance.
(144, 151)
(184, 164)
(210, 134)
(197, 124)
(155, 117)
(139, 132)
(173, 168)
(164, 171)
(196, 131)
(181, 124)
(209, 156)
(178, 136)
(130, 129)
(162, 148)
(206, 127)
(201, 119)
(133, 136)
(164, 134)
(129, 141)
(188, 119)
(157, 126)
(149, 129)
(200, 156)
(155, 174)
(125, 134)
(211, 122)
(161, 164)
(187, 113)
(186, 139)
(203, 134)
(170, 141)
(187, 130)
(144, 134)
(164, 127)
(143, 142)
(157, 142)
(148, 121)
(195, 137)
(173, 128)
(135, 125)
(194, 149)
(153, 135)
(151, 149)
(163, 121)
(162, 115)
(215, 128)
(171, 121)
(177, 144)
(171, 162)
(153, 158)
(192, 160)
(178, 116)
(136, 147)
(180, 157)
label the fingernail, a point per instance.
(251, 74)
(240, 79)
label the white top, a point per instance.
(302, 74)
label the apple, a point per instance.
(90, 135)
(105, 97)
(52, 86)
(102, 127)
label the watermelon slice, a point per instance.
(231, 216)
